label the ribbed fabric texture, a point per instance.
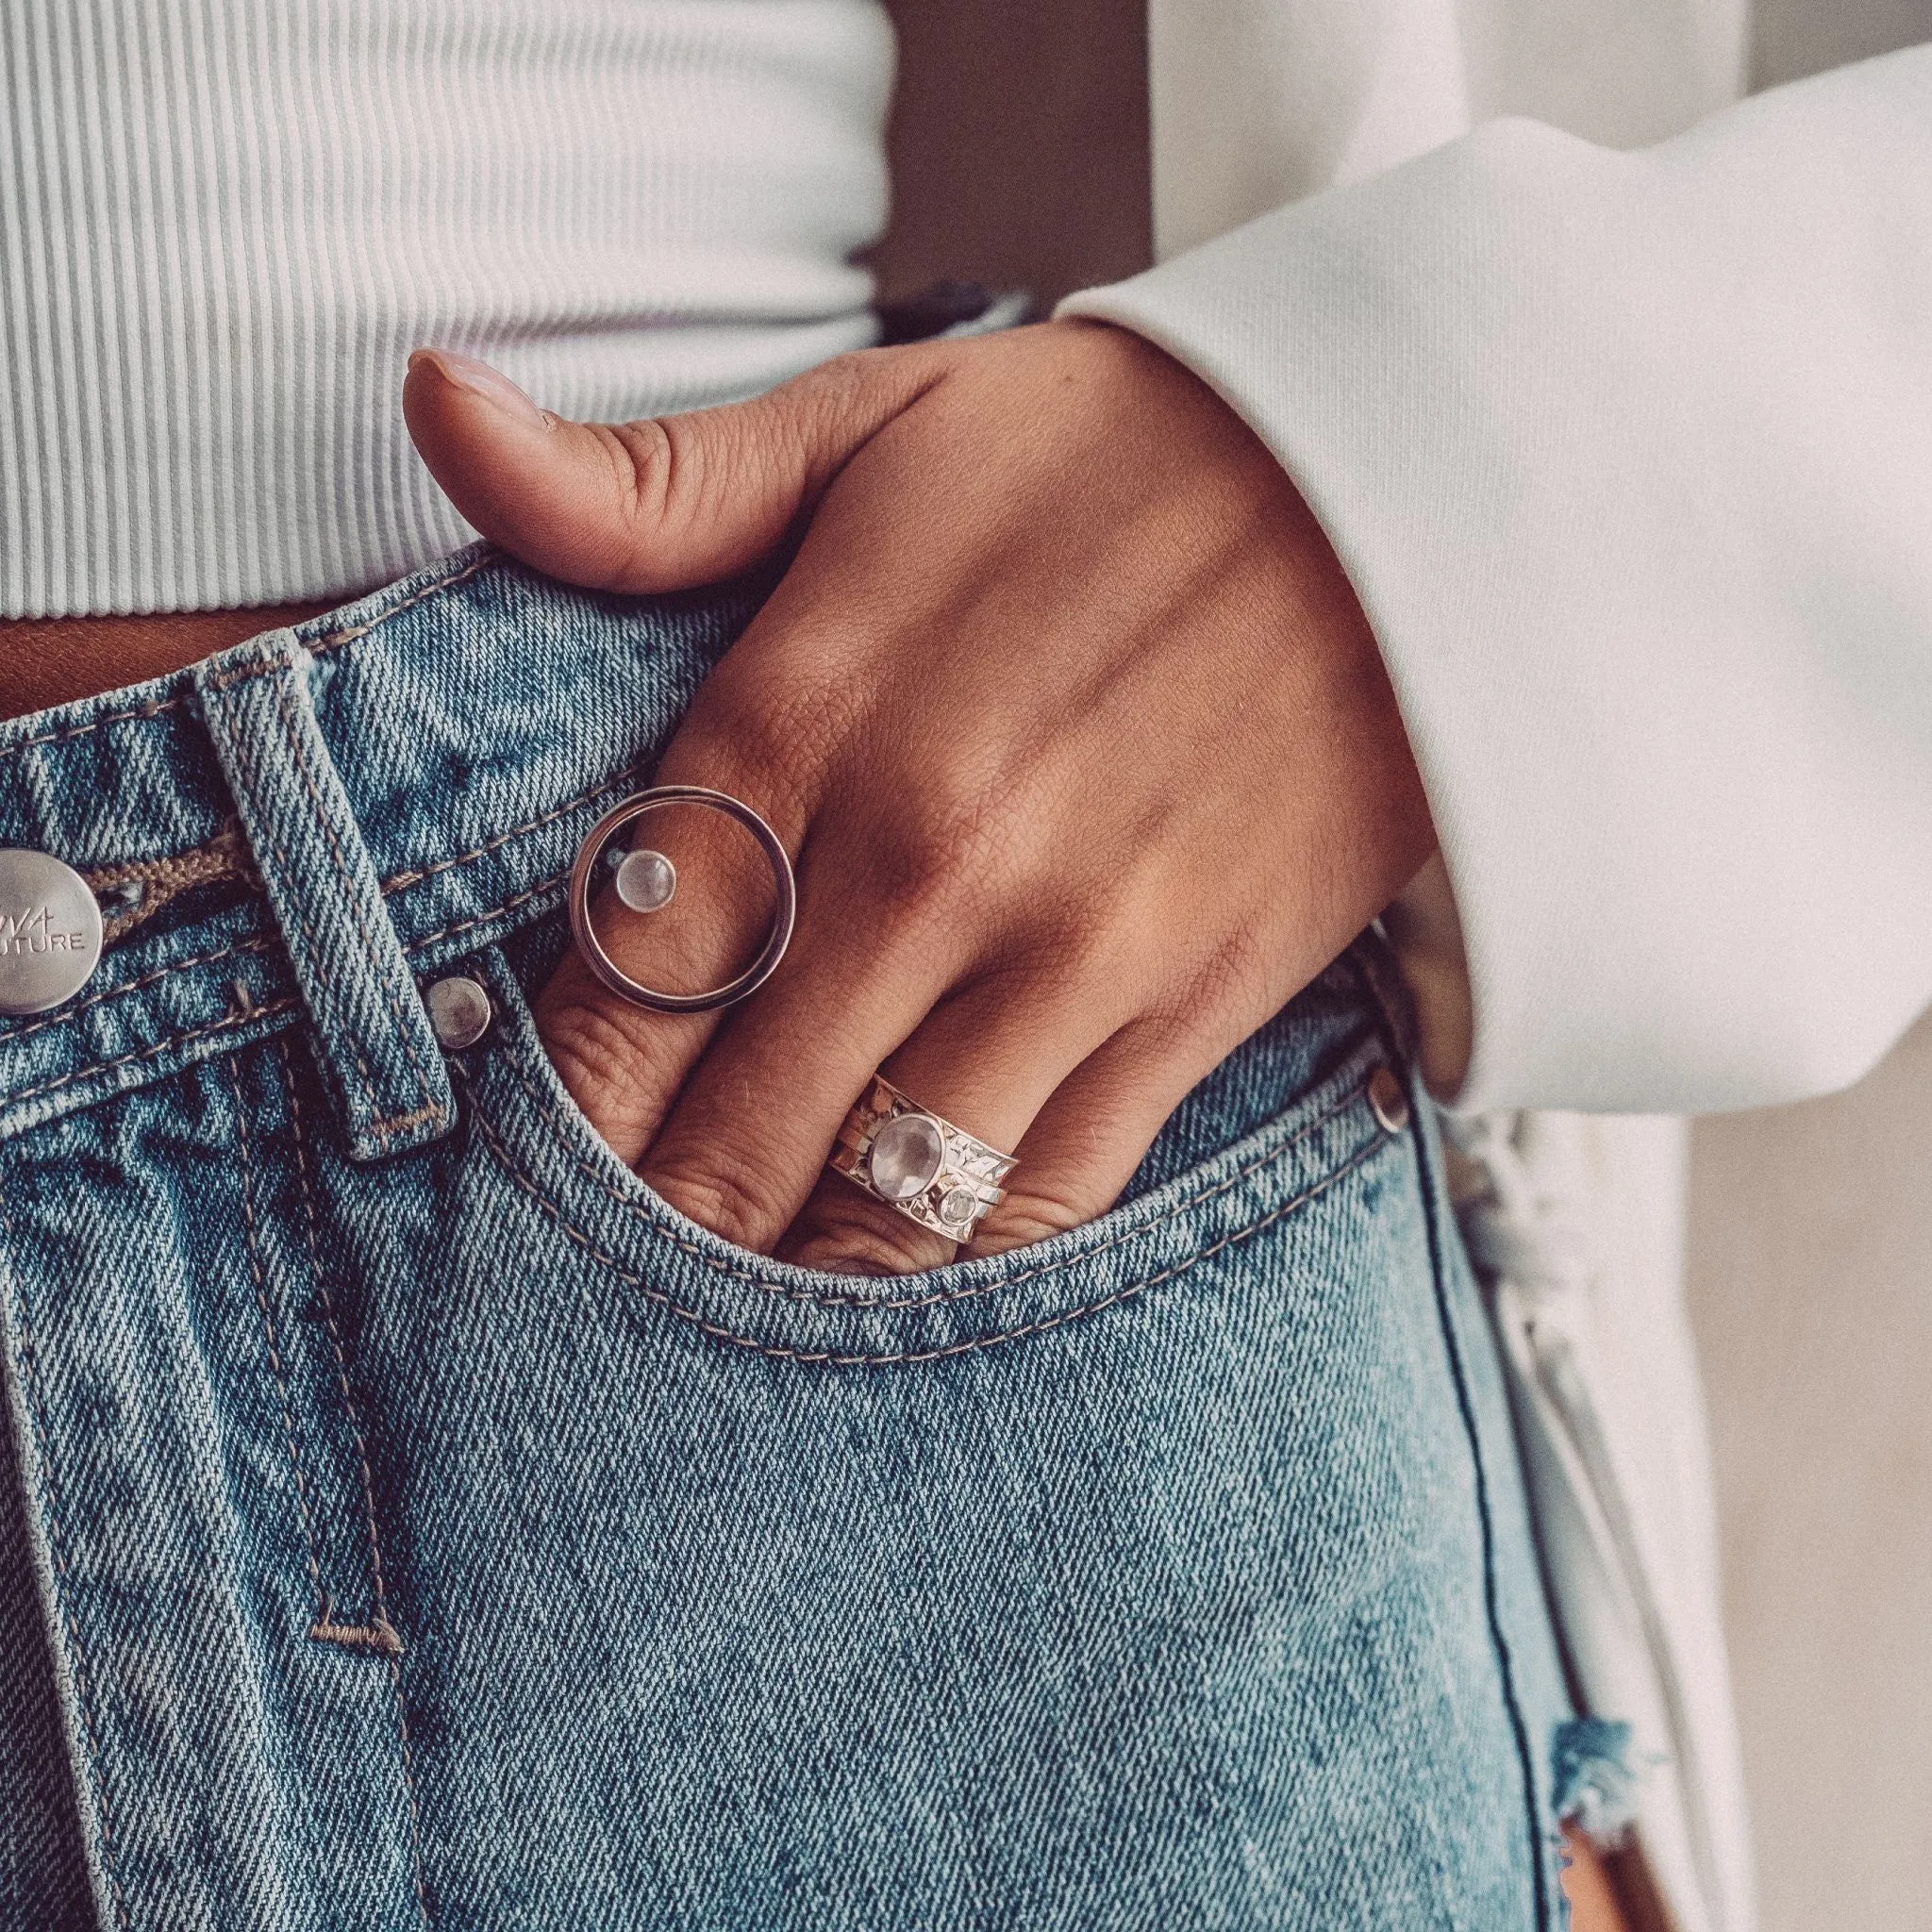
(224, 223)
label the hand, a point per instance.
(1077, 735)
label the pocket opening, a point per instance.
(554, 1161)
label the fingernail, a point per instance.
(492, 385)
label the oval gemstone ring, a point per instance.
(646, 882)
(906, 1155)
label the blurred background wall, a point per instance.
(1811, 1298)
(1021, 160)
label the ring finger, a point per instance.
(985, 1060)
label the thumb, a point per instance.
(655, 505)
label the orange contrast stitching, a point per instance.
(330, 640)
(147, 1053)
(141, 711)
(536, 892)
(399, 883)
(291, 728)
(161, 973)
(403, 879)
(395, 1679)
(244, 766)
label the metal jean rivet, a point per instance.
(50, 931)
(460, 1011)
(1388, 1101)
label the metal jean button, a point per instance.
(50, 931)
(1387, 1100)
(459, 1012)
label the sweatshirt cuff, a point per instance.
(1529, 387)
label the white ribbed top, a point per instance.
(224, 223)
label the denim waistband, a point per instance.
(320, 816)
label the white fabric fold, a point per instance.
(1629, 459)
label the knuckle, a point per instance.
(1190, 991)
(723, 1191)
(839, 379)
(956, 834)
(1239, 964)
(674, 476)
(601, 1057)
(1080, 949)
(858, 1237)
(1023, 1219)
(774, 734)
(652, 468)
(818, 419)
(841, 386)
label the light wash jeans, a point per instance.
(410, 1521)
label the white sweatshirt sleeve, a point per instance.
(1630, 459)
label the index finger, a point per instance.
(692, 904)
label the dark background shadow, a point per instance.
(1018, 145)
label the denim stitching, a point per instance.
(158, 882)
(379, 1608)
(430, 1111)
(147, 1053)
(402, 879)
(246, 674)
(141, 712)
(254, 945)
(327, 642)
(1433, 1197)
(642, 1212)
(382, 1129)
(400, 882)
(57, 1537)
(398, 1123)
(244, 765)
(522, 898)
(395, 1679)
(275, 1353)
(330, 640)
(826, 1358)
(380, 1629)
(402, 1122)
(109, 992)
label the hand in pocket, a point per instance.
(1065, 712)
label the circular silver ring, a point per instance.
(930, 1171)
(581, 875)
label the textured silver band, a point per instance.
(927, 1168)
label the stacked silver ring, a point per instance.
(929, 1170)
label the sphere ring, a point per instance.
(654, 882)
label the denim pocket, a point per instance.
(1244, 1157)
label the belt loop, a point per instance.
(386, 1068)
